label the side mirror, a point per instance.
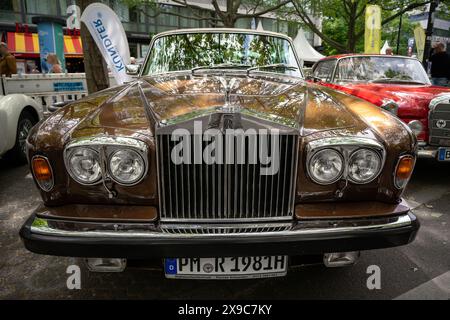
(133, 69)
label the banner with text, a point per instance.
(372, 37)
(419, 35)
(109, 35)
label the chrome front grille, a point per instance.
(439, 124)
(235, 192)
(225, 229)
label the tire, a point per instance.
(18, 154)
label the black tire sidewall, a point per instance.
(15, 155)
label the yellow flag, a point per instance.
(419, 35)
(372, 37)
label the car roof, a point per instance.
(223, 30)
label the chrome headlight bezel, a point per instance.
(377, 173)
(346, 146)
(316, 154)
(116, 179)
(69, 167)
(105, 146)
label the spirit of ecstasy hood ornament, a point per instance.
(228, 85)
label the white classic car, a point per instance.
(18, 114)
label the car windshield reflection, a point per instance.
(381, 69)
(191, 51)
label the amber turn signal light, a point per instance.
(42, 172)
(404, 171)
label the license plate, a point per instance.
(226, 268)
(444, 154)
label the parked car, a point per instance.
(18, 114)
(400, 85)
(224, 162)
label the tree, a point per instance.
(346, 17)
(95, 66)
(227, 17)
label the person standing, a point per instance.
(440, 65)
(52, 59)
(8, 64)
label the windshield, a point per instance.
(381, 69)
(179, 52)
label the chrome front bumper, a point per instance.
(138, 240)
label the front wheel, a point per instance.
(18, 154)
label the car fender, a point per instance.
(11, 106)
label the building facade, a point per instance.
(140, 22)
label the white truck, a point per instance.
(25, 100)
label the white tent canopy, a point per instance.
(260, 26)
(304, 50)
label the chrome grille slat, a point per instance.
(225, 229)
(202, 192)
(438, 136)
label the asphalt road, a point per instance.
(419, 270)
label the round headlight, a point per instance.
(84, 165)
(415, 126)
(364, 166)
(326, 166)
(126, 166)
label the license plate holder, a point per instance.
(226, 268)
(444, 154)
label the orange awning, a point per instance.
(23, 43)
(73, 47)
(27, 44)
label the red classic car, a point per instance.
(400, 85)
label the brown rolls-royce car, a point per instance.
(220, 161)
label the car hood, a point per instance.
(137, 109)
(413, 100)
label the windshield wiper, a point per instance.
(387, 80)
(220, 66)
(272, 66)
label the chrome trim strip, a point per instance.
(108, 140)
(343, 141)
(41, 226)
(229, 219)
(224, 228)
